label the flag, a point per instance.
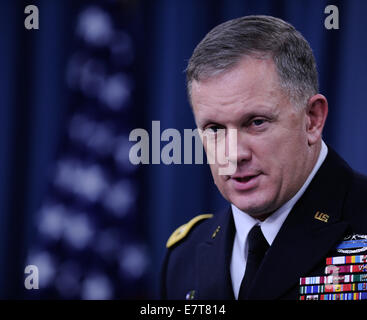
(88, 239)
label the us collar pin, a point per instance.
(322, 216)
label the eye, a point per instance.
(258, 122)
(212, 129)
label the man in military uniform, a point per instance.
(293, 200)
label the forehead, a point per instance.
(251, 83)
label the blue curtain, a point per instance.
(35, 106)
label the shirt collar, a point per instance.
(271, 226)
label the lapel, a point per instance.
(213, 259)
(303, 241)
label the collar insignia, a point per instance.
(215, 232)
(322, 216)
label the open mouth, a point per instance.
(245, 179)
(246, 182)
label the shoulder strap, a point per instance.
(182, 231)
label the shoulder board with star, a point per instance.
(182, 231)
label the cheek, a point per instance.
(214, 171)
(266, 152)
(219, 180)
(281, 146)
(283, 162)
(272, 156)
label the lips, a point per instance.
(245, 182)
(244, 179)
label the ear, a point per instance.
(316, 113)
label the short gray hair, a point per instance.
(257, 36)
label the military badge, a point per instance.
(353, 244)
(345, 277)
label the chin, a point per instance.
(254, 208)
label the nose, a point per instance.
(238, 148)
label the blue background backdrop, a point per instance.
(37, 104)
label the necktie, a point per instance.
(257, 247)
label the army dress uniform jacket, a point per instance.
(333, 207)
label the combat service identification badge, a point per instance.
(353, 244)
